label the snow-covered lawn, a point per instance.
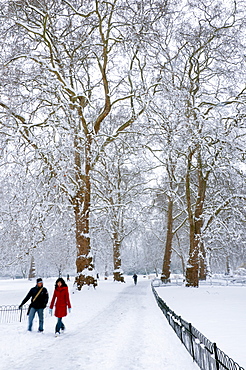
(120, 327)
(115, 327)
(218, 312)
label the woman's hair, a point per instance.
(62, 281)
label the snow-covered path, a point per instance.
(127, 333)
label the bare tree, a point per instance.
(78, 84)
(201, 73)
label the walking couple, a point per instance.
(40, 297)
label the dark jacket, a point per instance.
(42, 299)
(61, 300)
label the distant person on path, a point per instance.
(40, 297)
(135, 278)
(61, 301)
(68, 278)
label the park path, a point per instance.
(129, 334)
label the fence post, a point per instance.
(20, 314)
(181, 329)
(216, 356)
(192, 347)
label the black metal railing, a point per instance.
(205, 353)
(12, 313)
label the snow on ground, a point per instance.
(115, 327)
(218, 312)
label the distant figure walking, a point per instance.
(135, 278)
(40, 297)
(61, 301)
(68, 277)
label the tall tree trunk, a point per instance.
(81, 202)
(228, 267)
(32, 270)
(193, 261)
(180, 255)
(168, 249)
(192, 267)
(202, 184)
(118, 276)
(202, 262)
(195, 222)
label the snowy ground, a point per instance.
(218, 312)
(115, 327)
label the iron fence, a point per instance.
(12, 313)
(205, 353)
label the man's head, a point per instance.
(39, 282)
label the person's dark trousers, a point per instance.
(32, 313)
(59, 325)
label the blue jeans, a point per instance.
(32, 313)
(59, 325)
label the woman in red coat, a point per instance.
(61, 300)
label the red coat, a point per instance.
(61, 300)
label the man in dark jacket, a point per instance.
(135, 278)
(39, 301)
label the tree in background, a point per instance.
(202, 70)
(76, 78)
(117, 185)
(78, 85)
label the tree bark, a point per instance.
(81, 203)
(193, 265)
(195, 223)
(228, 267)
(32, 269)
(193, 261)
(165, 276)
(202, 262)
(118, 276)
